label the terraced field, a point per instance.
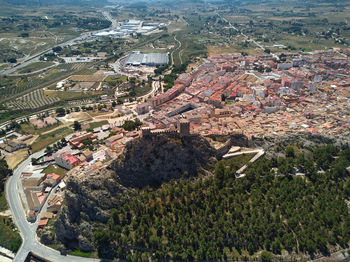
(32, 100)
(15, 86)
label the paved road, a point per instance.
(259, 153)
(108, 16)
(27, 230)
(33, 58)
(38, 71)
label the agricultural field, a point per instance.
(13, 86)
(33, 100)
(29, 30)
(71, 96)
(297, 25)
(34, 67)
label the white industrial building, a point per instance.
(150, 59)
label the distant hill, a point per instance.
(55, 2)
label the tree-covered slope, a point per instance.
(218, 216)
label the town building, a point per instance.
(67, 161)
(77, 141)
(12, 145)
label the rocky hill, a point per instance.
(146, 161)
(152, 160)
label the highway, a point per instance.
(26, 229)
(38, 71)
(34, 58)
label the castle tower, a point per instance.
(146, 131)
(183, 126)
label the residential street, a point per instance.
(27, 230)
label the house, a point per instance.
(52, 179)
(142, 108)
(35, 198)
(42, 223)
(25, 137)
(112, 139)
(31, 216)
(67, 161)
(76, 142)
(47, 215)
(12, 146)
(87, 154)
(54, 204)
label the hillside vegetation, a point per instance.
(9, 237)
(223, 217)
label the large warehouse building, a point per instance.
(150, 59)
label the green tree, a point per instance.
(220, 174)
(60, 111)
(76, 126)
(276, 247)
(4, 173)
(266, 256)
(290, 152)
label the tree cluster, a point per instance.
(217, 216)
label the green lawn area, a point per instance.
(44, 140)
(3, 202)
(68, 96)
(34, 67)
(54, 246)
(141, 91)
(81, 254)
(9, 238)
(55, 169)
(97, 124)
(114, 81)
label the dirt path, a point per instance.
(172, 53)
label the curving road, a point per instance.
(28, 230)
(35, 57)
(172, 53)
(37, 71)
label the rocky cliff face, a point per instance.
(146, 161)
(152, 160)
(88, 200)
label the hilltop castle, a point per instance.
(183, 129)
